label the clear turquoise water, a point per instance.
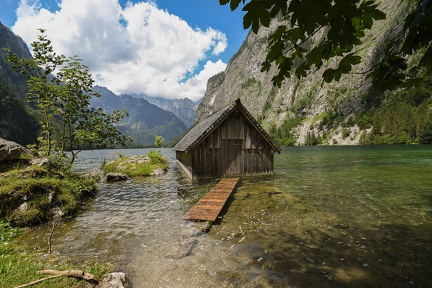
(354, 216)
(341, 217)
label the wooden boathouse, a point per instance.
(229, 143)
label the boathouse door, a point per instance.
(234, 160)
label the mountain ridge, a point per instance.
(18, 120)
(185, 108)
(145, 120)
(309, 111)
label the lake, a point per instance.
(354, 216)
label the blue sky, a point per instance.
(166, 48)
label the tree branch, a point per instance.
(68, 273)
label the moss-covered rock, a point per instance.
(31, 195)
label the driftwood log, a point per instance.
(68, 273)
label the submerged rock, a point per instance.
(158, 172)
(182, 249)
(114, 177)
(342, 226)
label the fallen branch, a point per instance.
(37, 281)
(68, 273)
(50, 237)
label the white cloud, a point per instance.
(138, 49)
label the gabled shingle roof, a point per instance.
(200, 131)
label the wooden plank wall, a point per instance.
(235, 148)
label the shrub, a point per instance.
(345, 133)
(364, 120)
(7, 233)
(157, 158)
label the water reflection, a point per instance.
(330, 217)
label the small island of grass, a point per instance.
(151, 164)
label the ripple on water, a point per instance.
(338, 216)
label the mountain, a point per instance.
(310, 111)
(15, 80)
(17, 120)
(185, 109)
(145, 120)
(18, 123)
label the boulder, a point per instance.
(10, 150)
(43, 162)
(115, 280)
(114, 177)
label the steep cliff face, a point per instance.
(17, 120)
(308, 100)
(14, 80)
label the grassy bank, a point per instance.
(33, 194)
(20, 266)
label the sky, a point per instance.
(161, 48)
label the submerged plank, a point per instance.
(209, 206)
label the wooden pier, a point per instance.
(209, 207)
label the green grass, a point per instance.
(133, 167)
(41, 190)
(19, 266)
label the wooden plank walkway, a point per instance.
(209, 207)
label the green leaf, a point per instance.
(277, 81)
(294, 35)
(277, 35)
(301, 70)
(265, 18)
(280, 6)
(315, 56)
(328, 75)
(275, 51)
(247, 21)
(265, 66)
(281, 59)
(234, 4)
(256, 13)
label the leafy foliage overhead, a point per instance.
(343, 24)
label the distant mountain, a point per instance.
(145, 120)
(18, 123)
(185, 109)
(17, 120)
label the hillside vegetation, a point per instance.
(310, 111)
